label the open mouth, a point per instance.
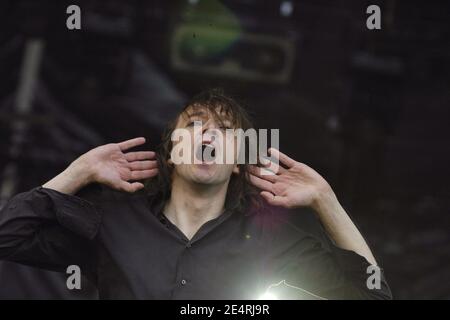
(206, 153)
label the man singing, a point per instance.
(194, 230)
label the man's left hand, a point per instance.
(294, 185)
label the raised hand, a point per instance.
(294, 185)
(109, 164)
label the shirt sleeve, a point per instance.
(51, 230)
(305, 268)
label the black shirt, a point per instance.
(131, 251)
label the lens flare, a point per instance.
(268, 296)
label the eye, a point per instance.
(191, 122)
(225, 127)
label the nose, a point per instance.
(210, 125)
(209, 131)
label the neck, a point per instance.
(191, 205)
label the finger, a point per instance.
(131, 187)
(125, 145)
(263, 173)
(140, 155)
(272, 166)
(272, 199)
(143, 174)
(284, 159)
(260, 183)
(143, 165)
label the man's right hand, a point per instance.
(108, 165)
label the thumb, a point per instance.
(131, 187)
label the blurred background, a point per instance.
(368, 109)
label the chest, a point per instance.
(140, 257)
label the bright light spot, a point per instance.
(286, 8)
(268, 296)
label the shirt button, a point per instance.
(183, 282)
(188, 245)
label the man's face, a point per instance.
(208, 139)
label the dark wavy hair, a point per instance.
(240, 194)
